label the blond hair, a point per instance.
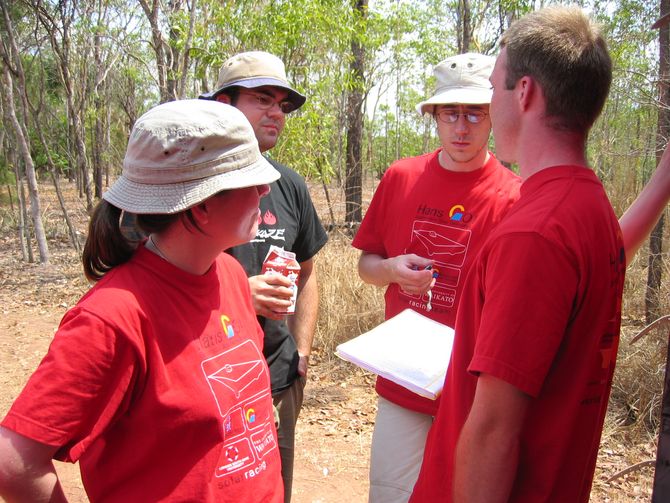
(568, 56)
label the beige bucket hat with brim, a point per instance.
(254, 69)
(461, 79)
(182, 152)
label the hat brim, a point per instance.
(463, 96)
(142, 198)
(294, 96)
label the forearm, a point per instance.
(487, 452)
(303, 322)
(32, 488)
(374, 269)
(640, 218)
(485, 466)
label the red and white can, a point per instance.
(280, 261)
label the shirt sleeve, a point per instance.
(79, 388)
(529, 284)
(370, 235)
(311, 234)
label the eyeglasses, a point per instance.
(265, 102)
(451, 116)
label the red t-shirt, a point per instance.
(156, 383)
(421, 208)
(541, 311)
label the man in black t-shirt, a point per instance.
(255, 83)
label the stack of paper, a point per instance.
(408, 349)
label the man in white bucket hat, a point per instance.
(255, 82)
(155, 381)
(426, 221)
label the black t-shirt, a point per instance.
(288, 220)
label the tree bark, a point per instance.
(24, 147)
(11, 56)
(655, 260)
(59, 36)
(354, 175)
(464, 25)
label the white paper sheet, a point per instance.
(408, 349)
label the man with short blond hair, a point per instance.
(527, 388)
(255, 82)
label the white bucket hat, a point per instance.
(182, 152)
(254, 69)
(461, 79)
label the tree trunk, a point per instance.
(59, 37)
(171, 62)
(464, 25)
(21, 130)
(99, 133)
(353, 183)
(655, 261)
(22, 231)
(74, 239)
(24, 147)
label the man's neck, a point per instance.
(546, 148)
(473, 164)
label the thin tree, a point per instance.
(655, 260)
(57, 27)
(464, 32)
(171, 62)
(353, 181)
(11, 66)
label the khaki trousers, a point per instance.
(396, 454)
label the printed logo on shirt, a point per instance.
(269, 218)
(232, 453)
(457, 214)
(447, 247)
(427, 211)
(251, 416)
(227, 327)
(240, 385)
(263, 235)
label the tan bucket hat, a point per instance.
(461, 79)
(182, 152)
(254, 69)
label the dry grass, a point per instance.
(347, 306)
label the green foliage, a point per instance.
(403, 41)
(623, 142)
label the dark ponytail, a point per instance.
(106, 246)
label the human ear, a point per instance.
(223, 98)
(526, 87)
(200, 212)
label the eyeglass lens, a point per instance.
(266, 103)
(452, 116)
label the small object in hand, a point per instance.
(280, 261)
(430, 298)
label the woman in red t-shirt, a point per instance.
(155, 381)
